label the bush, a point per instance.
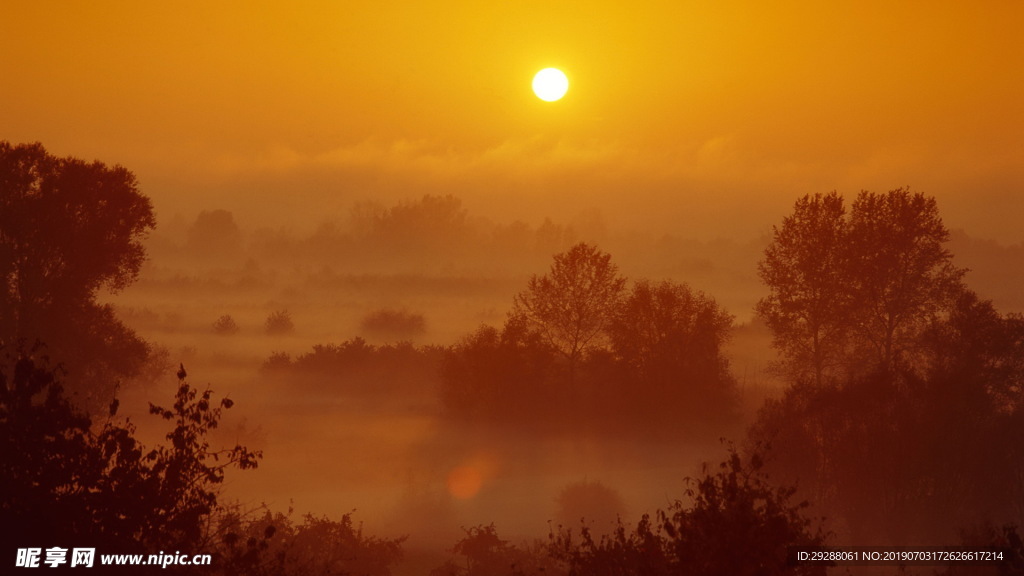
(356, 368)
(280, 322)
(225, 326)
(276, 544)
(735, 523)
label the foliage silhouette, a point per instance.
(736, 523)
(572, 306)
(104, 488)
(214, 234)
(589, 501)
(669, 340)
(507, 375)
(225, 325)
(905, 457)
(356, 369)
(855, 291)
(69, 229)
(279, 322)
(808, 307)
(578, 354)
(904, 418)
(483, 553)
(273, 544)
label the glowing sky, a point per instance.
(707, 117)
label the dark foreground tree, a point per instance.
(69, 229)
(64, 480)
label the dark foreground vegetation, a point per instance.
(901, 421)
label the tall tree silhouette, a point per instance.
(856, 289)
(901, 274)
(807, 308)
(69, 229)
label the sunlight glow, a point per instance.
(464, 482)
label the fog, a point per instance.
(399, 282)
(360, 224)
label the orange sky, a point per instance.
(701, 118)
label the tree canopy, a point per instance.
(854, 290)
(572, 305)
(69, 229)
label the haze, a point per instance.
(699, 118)
(384, 171)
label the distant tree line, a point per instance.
(404, 236)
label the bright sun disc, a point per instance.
(550, 84)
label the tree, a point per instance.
(69, 229)
(589, 501)
(214, 233)
(391, 324)
(64, 480)
(670, 338)
(433, 225)
(913, 454)
(279, 322)
(864, 286)
(572, 306)
(225, 325)
(493, 375)
(807, 309)
(900, 274)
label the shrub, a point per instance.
(225, 325)
(280, 322)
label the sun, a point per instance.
(550, 84)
